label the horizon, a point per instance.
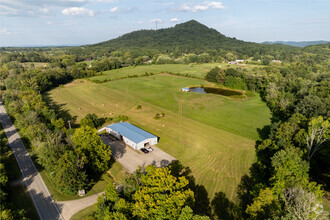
(83, 22)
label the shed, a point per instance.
(132, 135)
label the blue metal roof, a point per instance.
(131, 132)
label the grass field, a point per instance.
(193, 70)
(212, 134)
(36, 64)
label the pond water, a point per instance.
(218, 91)
(197, 90)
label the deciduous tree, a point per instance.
(318, 133)
(162, 196)
(90, 144)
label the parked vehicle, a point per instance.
(144, 150)
(149, 149)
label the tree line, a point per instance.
(292, 169)
(292, 157)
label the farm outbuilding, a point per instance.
(185, 89)
(131, 135)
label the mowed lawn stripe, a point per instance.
(217, 158)
(218, 111)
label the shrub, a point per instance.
(120, 118)
(159, 115)
(235, 83)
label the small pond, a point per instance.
(218, 91)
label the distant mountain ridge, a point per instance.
(297, 43)
(187, 37)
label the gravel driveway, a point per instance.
(131, 159)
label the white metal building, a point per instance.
(131, 135)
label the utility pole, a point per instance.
(156, 24)
(69, 124)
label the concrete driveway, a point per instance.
(131, 159)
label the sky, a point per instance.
(80, 22)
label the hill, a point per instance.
(297, 43)
(190, 36)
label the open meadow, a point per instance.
(213, 135)
(192, 70)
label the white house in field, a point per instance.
(276, 61)
(131, 135)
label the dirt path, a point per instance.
(69, 208)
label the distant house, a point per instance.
(233, 62)
(133, 136)
(148, 62)
(276, 61)
(240, 61)
(185, 89)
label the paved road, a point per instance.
(44, 203)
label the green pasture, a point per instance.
(191, 70)
(36, 64)
(212, 134)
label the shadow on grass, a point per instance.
(223, 208)
(61, 111)
(219, 208)
(202, 200)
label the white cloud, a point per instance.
(4, 31)
(215, 5)
(140, 22)
(35, 8)
(115, 9)
(174, 20)
(44, 10)
(104, 1)
(200, 7)
(77, 11)
(156, 20)
(5, 10)
(73, 1)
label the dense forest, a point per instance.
(289, 178)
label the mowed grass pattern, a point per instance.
(212, 134)
(193, 70)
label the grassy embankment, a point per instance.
(212, 134)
